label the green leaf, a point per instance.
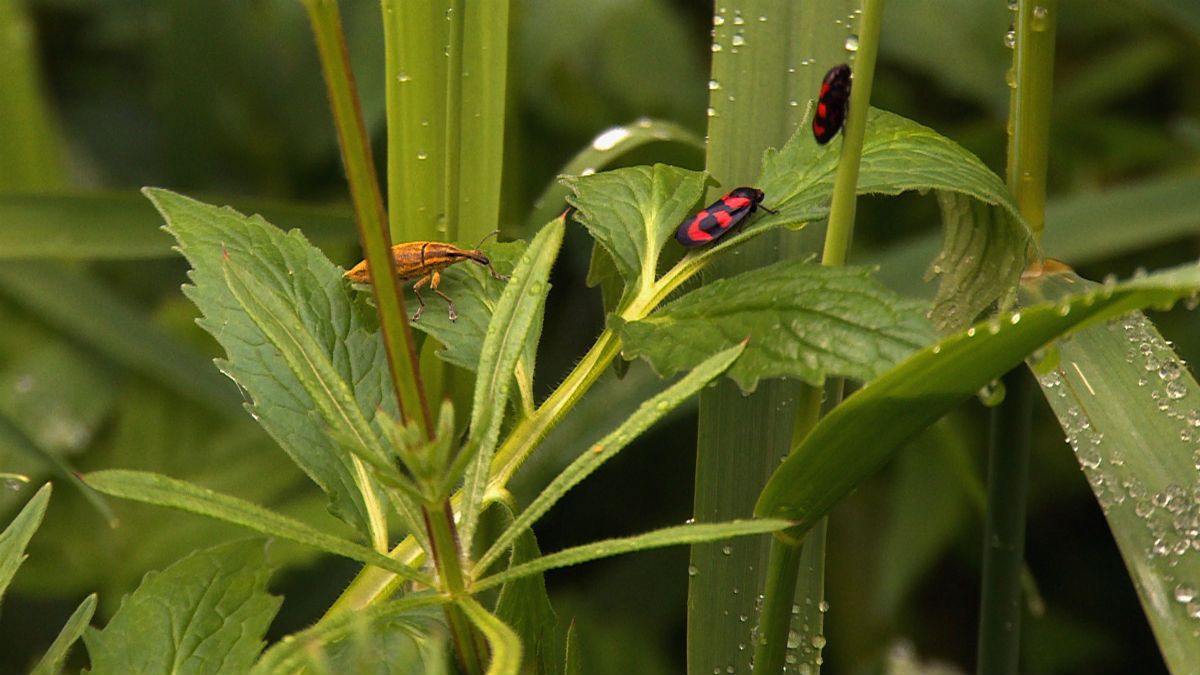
(52, 661)
(858, 436)
(978, 262)
(668, 536)
(16, 536)
(574, 658)
(204, 615)
(524, 605)
(608, 147)
(34, 153)
(475, 295)
(122, 226)
(504, 644)
(333, 396)
(802, 320)
(163, 491)
(633, 212)
(393, 631)
(517, 312)
(646, 415)
(313, 289)
(1128, 407)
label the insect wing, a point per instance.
(714, 221)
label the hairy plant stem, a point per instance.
(443, 539)
(1009, 441)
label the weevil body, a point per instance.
(424, 261)
(720, 217)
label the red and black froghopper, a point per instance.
(831, 104)
(720, 217)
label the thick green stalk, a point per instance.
(368, 209)
(468, 644)
(790, 556)
(1008, 447)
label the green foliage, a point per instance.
(798, 319)
(16, 536)
(855, 439)
(51, 662)
(206, 614)
(313, 289)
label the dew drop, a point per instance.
(726, 549)
(738, 39)
(1176, 390)
(851, 43)
(1010, 41)
(610, 138)
(713, 85)
(716, 47)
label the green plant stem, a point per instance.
(368, 210)
(1009, 442)
(790, 553)
(468, 644)
(1004, 527)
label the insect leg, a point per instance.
(421, 283)
(770, 211)
(437, 279)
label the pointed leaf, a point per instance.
(16, 536)
(646, 415)
(157, 489)
(632, 212)
(517, 312)
(1129, 410)
(802, 320)
(858, 436)
(313, 287)
(524, 605)
(204, 615)
(52, 661)
(669, 536)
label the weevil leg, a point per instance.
(437, 279)
(495, 274)
(421, 283)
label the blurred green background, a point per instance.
(223, 100)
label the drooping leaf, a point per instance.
(52, 661)
(314, 289)
(517, 312)
(588, 461)
(524, 605)
(1128, 407)
(15, 537)
(633, 212)
(400, 625)
(163, 491)
(858, 436)
(802, 320)
(978, 262)
(204, 615)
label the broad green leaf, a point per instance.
(16, 536)
(163, 491)
(52, 661)
(504, 643)
(517, 313)
(82, 309)
(475, 295)
(204, 615)
(313, 288)
(633, 212)
(801, 320)
(524, 605)
(858, 436)
(1129, 409)
(668, 536)
(333, 396)
(591, 458)
(607, 147)
(983, 248)
(122, 226)
(401, 619)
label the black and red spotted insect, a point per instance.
(720, 217)
(831, 104)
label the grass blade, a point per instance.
(52, 661)
(16, 536)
